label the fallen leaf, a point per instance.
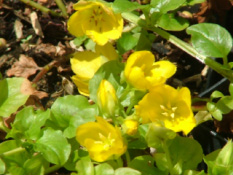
(18, 27)
(28, 89)
(36, 25)
(25, 67)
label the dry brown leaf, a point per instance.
(36, 25)
(25, 67)
(27, 89)
(18, 27)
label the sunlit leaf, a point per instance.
(210, 40)
(53, 146)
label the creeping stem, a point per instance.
(40, 7)
(221, 69)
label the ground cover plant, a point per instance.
(120, 106)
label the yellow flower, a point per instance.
(143, 73)
(85, 64)
(96, 20)
(107, 99)
(101, 139)
(130, 126)
(167, 107)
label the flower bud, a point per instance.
(107, 99)
(130, 126)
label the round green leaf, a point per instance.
(166, 5)
(127, 171)
(2, 167)
(172, 23)
(71, 111)
(53, 146)
(104, 169)
(210, 40)
(12, 95)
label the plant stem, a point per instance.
(119, 162)
(52, 169)
(127, 157)
(40, 7)
(221, 69)
(14, 151)
(167, 153)
(62, 7)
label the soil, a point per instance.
(52, 48)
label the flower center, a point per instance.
(97, 17)
(168, 111)
(107, 142)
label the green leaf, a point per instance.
(145, 40)
(12, 95)
(231, 89)
(120, 6)
(127, 171)
(220, 161)
(192, 2)
(193, 172)
(36, 165)
(215, 112)
(145, 164)
(185, 152)
(166, 5)
(216, 94)
(53, 146)
(85, 167)
(126, 42)
(13, 162)
(172, 22)
(104, 169)
(140, 142)
(70, 111)
(210, 40)
(225, 104)
(110, 71)
(28, 123)
(79, 40)
(74, 155)
(161, 161)
(157, 135)
(2, 167)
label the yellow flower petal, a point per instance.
(101, 139)
(85, 64)
(97, 21)
(141, 66)
(168, 107)
(81, 84)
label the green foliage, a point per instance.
(28, 123)
(54, 146)
(71, 111)
(172, 22)
(145, 164)
(120, 6)
(220, 161)
(210, 40)
(110, 71)
(12, 95)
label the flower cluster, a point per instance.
(85, 64)
(161, 105)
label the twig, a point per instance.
(44, 71)
(40, 7)
(62, 7)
